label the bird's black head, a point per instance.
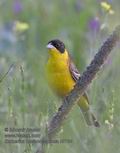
(59, 45)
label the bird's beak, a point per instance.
(50, 46)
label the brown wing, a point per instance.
(73, 70)
(75, 74)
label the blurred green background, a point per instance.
(25, 98)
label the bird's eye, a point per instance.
(57, 46)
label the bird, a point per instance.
(62, 75)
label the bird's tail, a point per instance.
(90, 118)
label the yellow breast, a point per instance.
(58, 75)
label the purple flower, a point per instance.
(94, 24)
(17, 6)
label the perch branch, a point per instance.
(89, 74)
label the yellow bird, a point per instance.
(62, 75)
